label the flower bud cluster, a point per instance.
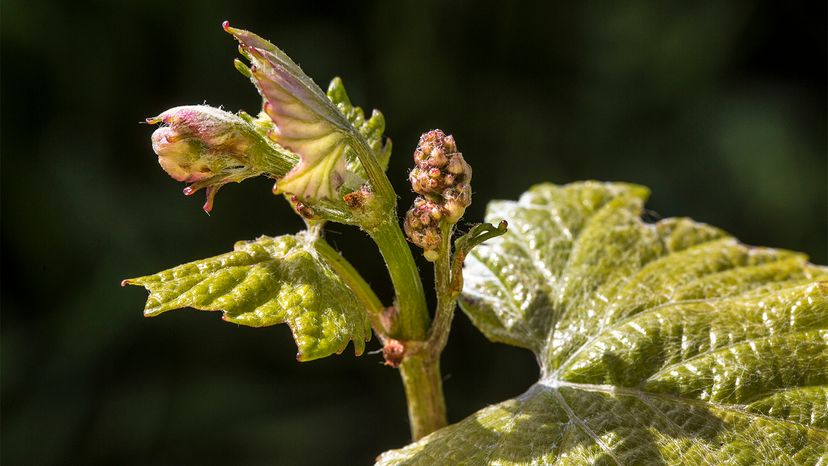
(441, 177)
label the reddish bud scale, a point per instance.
(304, 210)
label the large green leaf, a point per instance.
(266, 282)
(659, 343)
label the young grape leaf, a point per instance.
(322, 129)
(371, 129)
(664, 343)
(266, 282)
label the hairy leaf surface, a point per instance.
(664, 343)
(266, 282)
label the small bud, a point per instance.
(197, 142)
(438, 159)
(431, 255)
(436, 214)
(362, 206)
(458, 166)
(393, 351)
(422, 228)
(358, 199)
(460, 193)
(209, 147)
(304, 210)
(449, 144)
(454, 211)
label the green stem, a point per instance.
(361, 289)
(412, 314)
(421, 371)
(420, 375)
(424, 393)
(446, 297)
(376, 175)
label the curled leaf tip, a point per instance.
(211, 195)
(306, 121)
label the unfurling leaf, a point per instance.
(210, 147)
(371, 129)
(664, 343)
(321, 130)
(266, 282)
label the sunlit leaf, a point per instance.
(266, 282)
(662, 343)
(321, 130)
(371, 129)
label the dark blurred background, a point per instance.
(719, 107)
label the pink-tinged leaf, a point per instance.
(307, 122)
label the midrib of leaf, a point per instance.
(243, 267)
(582, 425)
(606, 326)
(660, 307)
(501, 284)
(554, 285)
(566, 277)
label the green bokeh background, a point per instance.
(719, 107)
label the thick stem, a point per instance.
(421, 370)
(420, 375)
(412, 314)
(424, 392)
